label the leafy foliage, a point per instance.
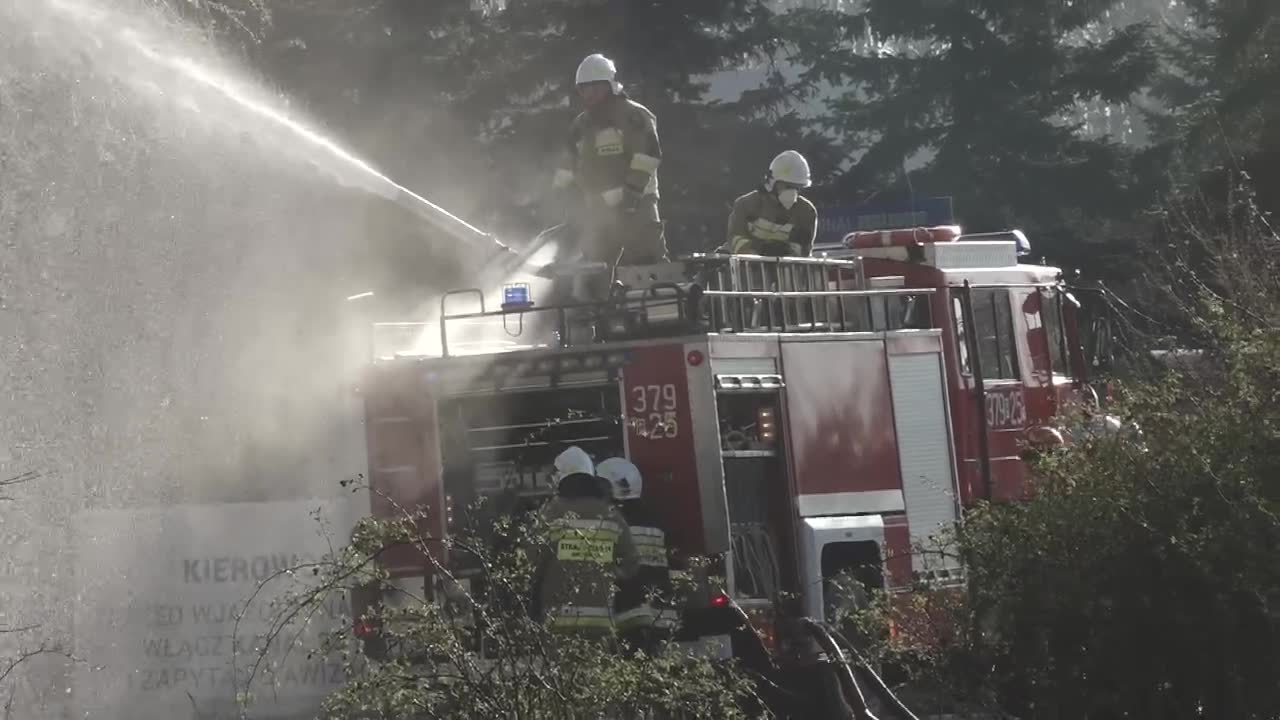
(477, 650)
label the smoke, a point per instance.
(174, 268)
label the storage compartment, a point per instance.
(748, 423)
(508, 441)
(755, 489)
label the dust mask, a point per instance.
(788, 197)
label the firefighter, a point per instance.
(590, 548)
(773, 219)
(612, 158)
(645, 615)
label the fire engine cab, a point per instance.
(793, 418)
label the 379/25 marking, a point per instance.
(653, 411)
(1006, 409)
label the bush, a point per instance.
(477, 649)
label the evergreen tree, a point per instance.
(1221, 71)
(979, 92)
(470, 102)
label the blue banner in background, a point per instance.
(837, 221)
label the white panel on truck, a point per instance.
(924, 450)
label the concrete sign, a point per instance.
(159, 592)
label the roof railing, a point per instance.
(699, 294)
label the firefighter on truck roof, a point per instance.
(773, 219)
(612, 158)
(645, 615)
(589, 549)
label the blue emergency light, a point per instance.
(516, 296)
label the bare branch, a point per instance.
(24, 656)
(25, 477)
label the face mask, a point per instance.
(788, 197)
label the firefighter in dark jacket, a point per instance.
(612, 158)
(774, 220)
(589, 550)
(645, 612)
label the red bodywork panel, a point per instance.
(1012, 406)
(840, 415)
(404, 459)
(660, 438)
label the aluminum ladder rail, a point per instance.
(748, 274)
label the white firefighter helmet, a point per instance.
(598, 68)
(789, 167)
(574, 461)
(623, 476)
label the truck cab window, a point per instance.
(962, 338)
(993, 325)
(1051, 316)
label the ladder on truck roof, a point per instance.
(700, 294)
(751, 293)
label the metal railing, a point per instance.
(700, 294)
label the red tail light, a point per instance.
(364, 629)
(719, 600)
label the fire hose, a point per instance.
(828, 639)
(754, 553)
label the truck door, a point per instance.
(989, 373)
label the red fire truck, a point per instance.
(794, 417)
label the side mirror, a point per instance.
(1101, 353)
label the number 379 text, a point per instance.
(653, 412)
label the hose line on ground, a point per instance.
(879, 682)
(829, 645)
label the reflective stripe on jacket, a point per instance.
(612, 150)
(760, 225)
(645, 600)
(589, 547)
